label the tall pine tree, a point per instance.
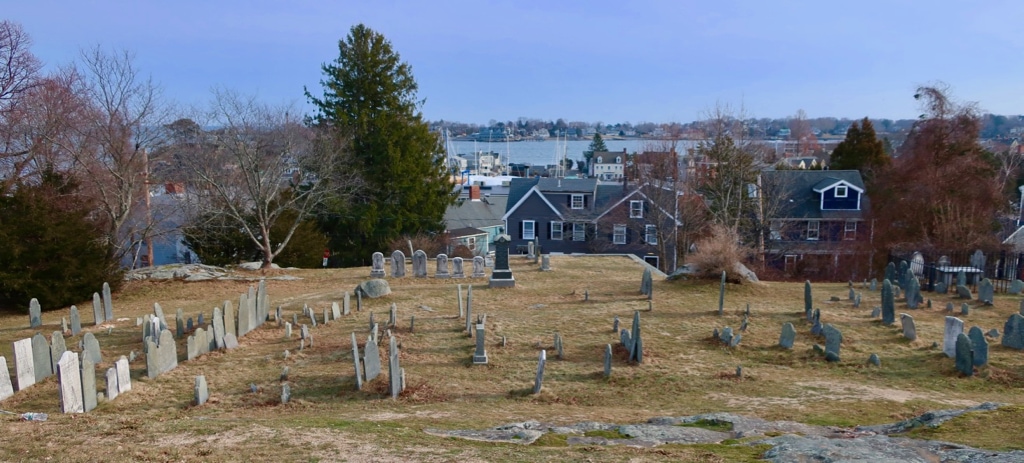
(861, 150)
(370, 101)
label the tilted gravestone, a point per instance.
(111, 377)
(124, 379)
(355, 360)
(92, 347)
(954, 327)
(218, 328)
(88, 375)
(24, 363)
(57, 348)
(201, 391)
(41, 357)
(35, 315)
(909, 329)
(395, 380)
(833, 340)
(377, 266)
(888, 303)
(986, 292)
(397, 264)
(419, 264)
(6, 387)
(245, 315)
(538, 381)
(442, 267)
(76, 321)
(97, 309)
(108, 303)
(787, 336)
(1013, 332)
(979, 346)
(69, 378)
(646, 282)
(963, 355)
(371, 360)
(807, 300)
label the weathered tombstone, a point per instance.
(559, 352)
(394, 370)
(76, 321)
(615, 324)
(979, 346)
(304, 332)
(735, 341)
(346, 304)
(787, 336)
(97, 309)
(230, 341)
(88, 375)
(377, 265)
(538, 381)
(909, 329)
(412, 324)
(986, 292)
(359, 300)
(807, 299)
(124, 379)
(277, 316)
(42, 364)
(397, 264)
(35, 315)
(876, 312)
(287, 330)
(833, 339)
(913, 291)
(92, 347)
(1016, 287)
(469, 310)
(941, 288)
(63, 325)
(442, 267)
(57, 348)
(327, 316)
(954, 327)
(201, 391)
(111, 377)
(965, 309)
(721, 295)
(335, 311)
(6, 387)
(69, 376)
(501, 276)
(626, 340)
(355, 360)
(816, 328)
(286, 393)
(478, 267)
(856, 301)
(218, 328)
(179, 323)
(1013, 332)
(191, 348)
(531, 249)
(874, 285)
(545, 263)
(888, 303)
(108, 304)
(607, 360)
(961, 278)
(646, 282)
(230, 323)
(949, 307)
(992, 333)
(874, 360)
(903, 274)
(24, 363)
(636, 352)
(162, 357)
(393, 315)
(963, 355)
(890, 271)
(419, 264)
(201, 344)
(371, 360)
(978, 260)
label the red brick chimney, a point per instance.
(474, 193)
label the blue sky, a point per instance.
(609, 61)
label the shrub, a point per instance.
(720, 250)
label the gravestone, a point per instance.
(986, 292)
(954, 327)
(393, 315)
(961, 278)
(230, 341)
(191, 348)
(346, 304)
(1013, 332)
(721, 294)
(57, 348)
(108, 304)
(913, 291)
(63, 325)
(735, 341)
(245, 316)
(940, 287)
(42, 364)
(111, 377)
(35, 315)
(963, 355)
(531, 249)
(286, 393)
(371, 360)
(355, 361)
(888, 303)
(807, 299)
(230, 323)
(478, 267)
(909, 329)
(978, 260)
(335, 311)
(92, 347)
(287, 330)
(787, 336)
(6, 387)
(24, 363)
(458, 269)
(397, 264)
(902, 274)
(327, 316)
(816, 328)
(88, 375)
(162, 357)
(545, 263)
(890, 271)
(992, 333)
(419, 264)
(874, 284)
(626, 340)
(874, 360)
(218, 328)
(202, 392)
(615, 324)
(876, 312)
(442, 267)
(278, 316)
(377, 266)
(69, 378)
(179, 323)
(559, 352)
(833, 339)
(538, 381)
(979, 346)
(646, 282)
(76, 321)
(856, 301)
(607, 360)
(469, 310)
(636, 351)
(97, 309)
(124, 378)
(359, 298)
(1016, 287)
(501, 276)
(158, 313)
(949, 307)
(965, 309)
(304, 332)
(394, 370)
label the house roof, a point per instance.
(468, 231)
(566, 185)
(801, 189)
(477, 214)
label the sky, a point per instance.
(609, 61)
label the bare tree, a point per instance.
(258, 166)
(19, 75)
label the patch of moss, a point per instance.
(718, 452)
(976, 429)
(711, 425)
(551, 439)
(607, 434)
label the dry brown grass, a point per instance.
(327, 419)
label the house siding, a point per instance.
(831, 202)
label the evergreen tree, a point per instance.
(370, 100)
(861, 150)
(596, 145)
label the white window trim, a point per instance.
(844, 189)
(651, 234)
(471, 243)
(581, 233)
(815, 226)
(532, 232)
(619, 233)
(636, 213)
(573, 199)
(850, 230)
(556, 230)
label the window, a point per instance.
(842, 191)
(775, 231)
(790, 265)
(850, 230)
(618, 159)
(812, 230)
(600, 160)
(579, 231)
(651, 234)
(529, 229)
(576, 202)
(556, 231)
(619, 234)
(636, 209)
(471, 243)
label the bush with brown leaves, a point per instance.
(719, 250)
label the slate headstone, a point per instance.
(787, 336)
(986, 291)
(874, 360)
(963, 355)
(108, 303)
(874, 285)
(888, 303)
(607, 360)
(6, 387)
(941, 288)
(88, 375)
(807, 299)
(876, 312)
(57, 348)
(355, 361)
(833, 339)
(394, 370)
(1016, 287)
(909, 329)
(371, 360)
(179, 323)
(538, 381)
(69, 378)
(43, 366)
(97, 309)
(954, 327)
(1013, 332)
(979, 346)
(76, 322)
(965, 309)
(646, 282)
(92, 347)
(24, 363)
(721, 294)
(35, 315)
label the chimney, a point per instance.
(474, 193)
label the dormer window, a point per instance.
(576, 202)
(618, 159)
(600, 159)
(842, 191)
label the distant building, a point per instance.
(608, 165)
